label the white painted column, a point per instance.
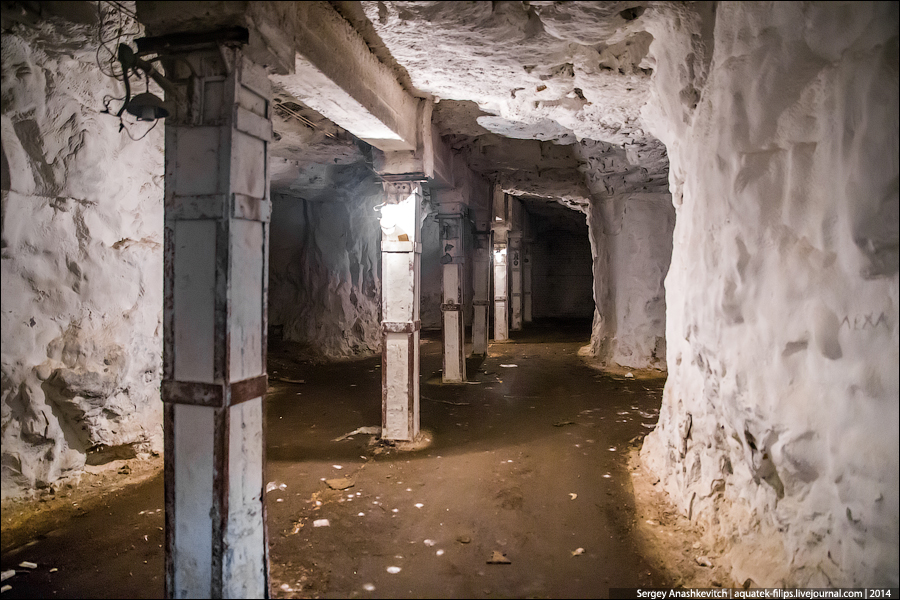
(401, 253)
(450, 219)
(501, 316)
(527, 314)
(214, 355)
(481, 277)
(514, 260)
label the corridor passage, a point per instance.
(527, 463)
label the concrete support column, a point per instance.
(450, 219)
(527, 314)
(501, 315)
(514, 259)
(401, 253)
(214, 355)
(481, 277)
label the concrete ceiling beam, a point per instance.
(336, 74)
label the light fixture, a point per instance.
(147, 107)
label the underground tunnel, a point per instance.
(448, 299)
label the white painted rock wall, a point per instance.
(779, 424)
(324, 266)
(81, 264)
(631, 242)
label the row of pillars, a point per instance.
(217, 212)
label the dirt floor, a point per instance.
(526, 485)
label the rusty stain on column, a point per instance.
(214, 355)
(451, 222)
(401, 254)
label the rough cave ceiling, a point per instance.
(546, 96)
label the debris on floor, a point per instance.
(498, 558)
(703, 561)
(321, 523)
(274, 485)
(7, 574)
(27, 565)
(359, 431)
(563, 423)
(340, 484)
(578, 552)
(463, 539)
(509, 366)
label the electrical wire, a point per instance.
(127, 131)
(302, 119)
(126, 25)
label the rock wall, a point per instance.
(81, 263)
(779, 425)
(325, 265)
(631, 242)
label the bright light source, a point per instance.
(398, 221)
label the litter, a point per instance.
(445, 401)
(321, 523)
(54, 570)
(429, 542)
(573, 495)
(629, 375)
(463, 539)
(498, 558)
(28, 565)
(703, 561)
(393, 569)
(419, 505)
(340, 484)
(270, 487)
(359, 430)
(7, 574)
(5, 588)
(578, 552)
(509, 366)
